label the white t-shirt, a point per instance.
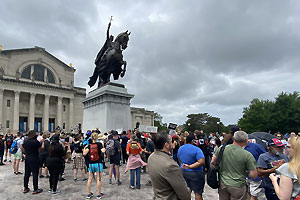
(19, 142)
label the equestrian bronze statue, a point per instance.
(109, 60)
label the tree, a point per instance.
(203, 121)
(256, 117)
(281, 115)
(158, 122)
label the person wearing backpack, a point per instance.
(113, 150)
(16, 151)
(93, 152)
(135, 161)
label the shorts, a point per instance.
(78, 162)
(195, 180)
(8, 146)
(254, 188)
(115, 159)
(43, 158)
(17, 156)
(95, 167)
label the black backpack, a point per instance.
(213, 176)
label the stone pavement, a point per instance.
(11, 187)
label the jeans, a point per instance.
(270, 194)
(31, 166)
(138, 177)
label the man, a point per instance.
(114, 159)
(235, 165)
(9, 138)
(18, 155)
(124, 141)
(268, 163)
(192, 162)
(228, 137)
(31, 149)
(203, 144)
(148, 151)
(2, 147)
(255, 189)
(167, 179)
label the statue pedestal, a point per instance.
(107, 108)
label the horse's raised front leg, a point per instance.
(124, 63)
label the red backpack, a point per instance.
(94, 152)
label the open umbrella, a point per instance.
(261, 138)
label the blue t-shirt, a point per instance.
(189, 154)
(255, 150)
(268, 161)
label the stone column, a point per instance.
(71, 113)
(1, 109)
(59, 112)
(46, 113)
(31, 111)
(16, 111)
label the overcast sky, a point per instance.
(183, 57)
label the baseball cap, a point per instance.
(275, 141)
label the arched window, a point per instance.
(26, 73)
(50, 76)
(38, 73)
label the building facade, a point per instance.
(37, 92)
(140, 116)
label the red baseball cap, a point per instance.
(275, 141)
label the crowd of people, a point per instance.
(177, 161)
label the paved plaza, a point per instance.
(11, 187)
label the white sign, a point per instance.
(148, 129)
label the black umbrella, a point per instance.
(261, 138)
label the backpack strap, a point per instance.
(219, 157)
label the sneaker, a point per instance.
(75, 179)
(138, 187)
(149, 183)
(5, 160)
(26, 190)
(37, 191)
(62, 179)
(99, 197)
(131, 187)
(50, 190)
(84, 180)
(16, 173)
(9, 161)
(110, 181)
(56, 192)
(19, 173)
(41, 176)
(89, 196)
(47, 176)
(119, 182)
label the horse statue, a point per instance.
(109, 60)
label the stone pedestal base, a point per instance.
(107, 108)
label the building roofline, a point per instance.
(36, 49)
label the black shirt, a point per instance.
(31, 147)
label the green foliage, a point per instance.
(158, 122)
(203, 121)
(281, 115)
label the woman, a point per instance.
(55, 161)
(93, 152)
(135, 161)
(289, 186)
(78, 161)
(175, 146)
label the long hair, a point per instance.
(294, 165)
(94, 137)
